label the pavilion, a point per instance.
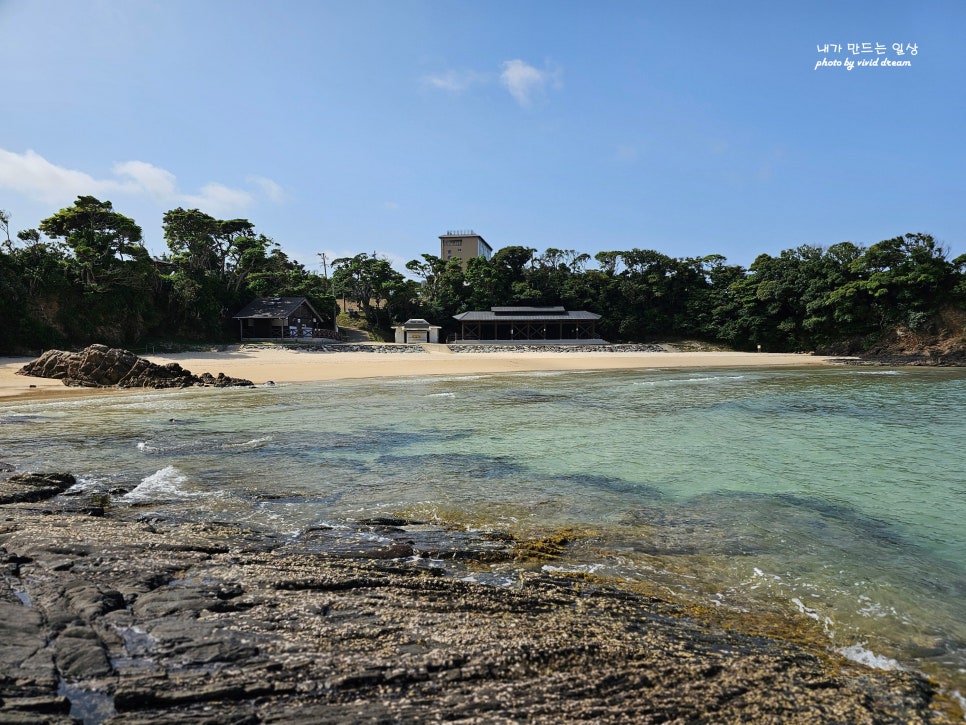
(528, 325)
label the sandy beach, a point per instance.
(279, 365)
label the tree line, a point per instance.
(811, 298)
(83, 275)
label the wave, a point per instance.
(690, 381)
(200, 445)
(166, 484)
(574, 568)
(858, 653)
(253, 443)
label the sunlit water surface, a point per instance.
(837, 494)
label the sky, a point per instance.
(692, 127)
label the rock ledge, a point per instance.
(156, 621)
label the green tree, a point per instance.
(909, 279)
(101, 240)
(485, 284)
(372, 283)
(216, 265)
(510, 279)
(116, 275)
(443, 291)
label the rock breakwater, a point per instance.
(384, 348)
(484, 347)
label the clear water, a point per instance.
(837, 494)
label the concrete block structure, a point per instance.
(463, 245)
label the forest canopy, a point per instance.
(83, 275)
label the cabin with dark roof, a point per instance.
(529, 325)
(280, 318)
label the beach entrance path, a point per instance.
(353, 335)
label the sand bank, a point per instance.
(301, 366)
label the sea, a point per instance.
(830, 495)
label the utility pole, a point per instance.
(5, 224)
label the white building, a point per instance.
(415, 331)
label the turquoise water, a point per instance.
(835, 494)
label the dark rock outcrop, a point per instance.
(940, 343)
(32, 487)
(180, 622)
(99, 366)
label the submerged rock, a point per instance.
(32, 487)
(99, 366)
(169, 621)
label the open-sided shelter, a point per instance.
(530, 325)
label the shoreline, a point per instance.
(229, 617)
(286, 365)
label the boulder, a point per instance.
(99, 366)
(33, 487)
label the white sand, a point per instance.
(300, 366)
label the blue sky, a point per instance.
(693, 127)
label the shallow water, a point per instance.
(836, 494)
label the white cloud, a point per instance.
(156, 182)
(271, 189)
(627, 152)
(218, 199)
(454, 81)
(524, 82)
(33, 176)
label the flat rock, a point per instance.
(217, 628)
(33, 487)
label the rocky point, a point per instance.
(99, 366)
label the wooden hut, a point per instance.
(279, 318)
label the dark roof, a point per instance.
(273, 308)
(532, 314)
(527, 310)
(416, 323)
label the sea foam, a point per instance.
(858, 653)
(164, 485)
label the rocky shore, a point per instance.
(357, 347)
(895, 361)
(100, 366)
(130, 615)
